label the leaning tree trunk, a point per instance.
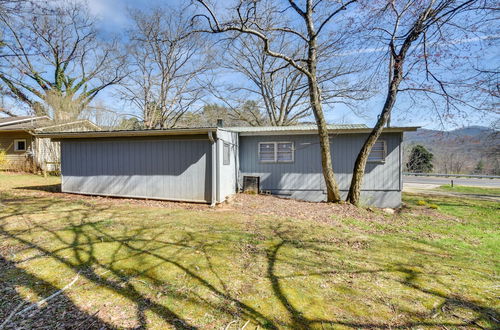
(397, 76)
(332, 189)
(353, 196)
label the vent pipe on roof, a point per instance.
(220, 123)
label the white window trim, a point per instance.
(267, 161)
(275, 160)
(385, 154)
(25, 145)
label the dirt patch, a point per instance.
(242, 203)
(248, 205)
(268, 205)
(106, 200)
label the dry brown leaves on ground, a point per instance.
(251, 205)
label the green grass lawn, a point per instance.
(175, 267)
(471, 190)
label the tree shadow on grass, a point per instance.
(59, 312)
(85, 262)
(86, 266)
(300, 321)
(484, 313)
(80, 252)
(52, 188)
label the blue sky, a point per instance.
(113, 19)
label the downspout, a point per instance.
(217, 183)
(213, 198)
(61, 146)
(401, 138)
(237, 171)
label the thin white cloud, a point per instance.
(384, 49)
(111, 12)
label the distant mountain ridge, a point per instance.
(461, 149)
(472, 130)
(423, 134)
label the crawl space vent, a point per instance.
(251, 184)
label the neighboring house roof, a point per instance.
(73, 126)
(22, 123)
(264, 130)
(43, 124)
(7, 120)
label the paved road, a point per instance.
(438, 181)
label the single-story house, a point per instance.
(25, 149)
(209, 164)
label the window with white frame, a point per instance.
(20, 145)
(276, 152)
(378, 152)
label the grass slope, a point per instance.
(157, 267)
(471, 190)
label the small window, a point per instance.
(378, 152)
(266, 152)
(276, 152)
(20, 145)
(226, 154)
(285, 152)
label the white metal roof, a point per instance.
(312, 129)
(308, 127)
(128, 133)
(244, 131)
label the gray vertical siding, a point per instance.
(163, 168)
(378, 176)
(303, 178)
(180, 168)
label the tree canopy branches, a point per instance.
(54, 60)
(167, 63)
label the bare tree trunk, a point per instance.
(353, 196)
(429, 18)
(332, 189)
(396, 72)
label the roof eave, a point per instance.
(17, 130)
(193, 131)
(111, 134)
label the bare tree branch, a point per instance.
(167, 62)
(260, 19)
(56, 65)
